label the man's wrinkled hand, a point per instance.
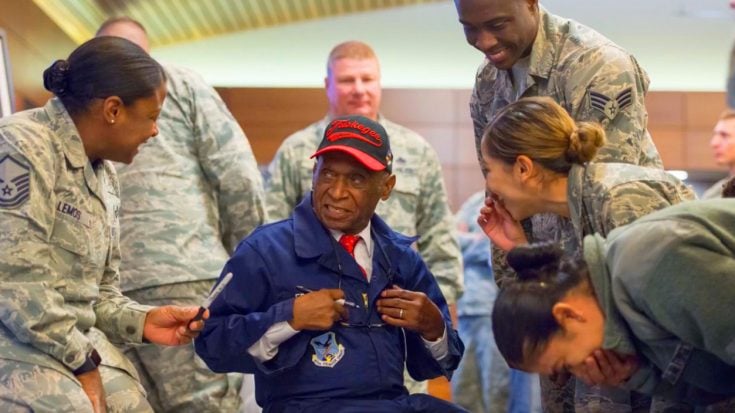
(411, 310)
(318, 310)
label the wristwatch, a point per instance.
(93, 360)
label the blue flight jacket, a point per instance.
(357, 361)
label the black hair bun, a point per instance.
(530, 260)
(55, 78)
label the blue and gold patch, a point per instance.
(327, 352)
(15, 177)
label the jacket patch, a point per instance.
(610, 107)
(327, 352)
(14, 182)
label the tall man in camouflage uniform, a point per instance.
(187, 200)
(418, 205)
(530, 52)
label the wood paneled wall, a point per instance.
(680, 122)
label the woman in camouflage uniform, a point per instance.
(60, 302)
(539, 161)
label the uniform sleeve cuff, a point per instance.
(439, 348)
(132, 321)
(75, 353)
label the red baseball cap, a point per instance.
(362, 138)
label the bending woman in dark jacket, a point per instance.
(661, 287)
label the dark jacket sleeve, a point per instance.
(242, 314)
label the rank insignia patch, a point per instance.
(14, 182)
(611, 107)
(327, 352)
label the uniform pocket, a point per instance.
(407, 183)
(69, 258)
(70, 235)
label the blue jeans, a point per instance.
(483, 383)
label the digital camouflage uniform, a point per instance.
(59, 279)
(188, 198)
(417, 206)
(604, 196)
(594, 80)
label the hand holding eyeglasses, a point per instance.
(411, 310)
(318, 310)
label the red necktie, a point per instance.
(348, 242)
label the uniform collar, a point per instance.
(71, 143)
(364, 234)
(312, 239)
(575, 199)
(543, 51)
(63, 127)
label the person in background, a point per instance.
(730, 96)
(728, 190)
(483, 383)
(723, 147)
(327, 308)
(60, 302)
(419, 204)
(531, 52)
(188, 198)
(659, 288)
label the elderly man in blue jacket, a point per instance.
(326, 307)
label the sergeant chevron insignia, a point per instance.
(14, 182)
(610, 107)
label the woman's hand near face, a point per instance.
(607, 368)
(496, 222)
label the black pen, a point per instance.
(211, 297)
(340, 301)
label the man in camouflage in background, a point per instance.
(530, 52)
(418, 205)
(723, 148)
(730, 95)
(187, 199)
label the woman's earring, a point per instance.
(112, 121)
